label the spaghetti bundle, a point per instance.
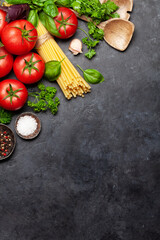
(70, 81)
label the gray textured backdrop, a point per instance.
(93, 172)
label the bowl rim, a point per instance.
(14, 141)
(37, 131)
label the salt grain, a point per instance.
(26, 125)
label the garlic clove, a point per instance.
(75, 46)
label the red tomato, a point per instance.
(29, 68)
(3, 23)
(66, 22)
(6, 62)
(19, 37)
(13, 94)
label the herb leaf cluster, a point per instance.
(97, 34)
(48, 6)
(44, 99)
(94, 9)
(5, 116)
(98, 13)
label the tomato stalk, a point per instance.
(64, 22)
(1, 44)
(1, 57)
(30, 65)
(12, 93)
(25, 34)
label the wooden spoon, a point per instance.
(118, 33)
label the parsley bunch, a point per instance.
(97, 12)
(43, 100)
(5, 116)
(90, 44)
(97, 34)
(94, 9)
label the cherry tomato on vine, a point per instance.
(13, 94)
(66, 22)
(19, 37)
(3, 22)
(29, 68)
(6, 62)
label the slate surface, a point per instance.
(93, 172)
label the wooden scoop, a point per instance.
(118, 33)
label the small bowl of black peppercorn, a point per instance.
(7, 142)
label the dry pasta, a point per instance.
(70, 81)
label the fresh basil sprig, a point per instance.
(92, 75)
(33, 17)
(49, 23)
(53, 70)
(50, 8)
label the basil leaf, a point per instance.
(39, 3)
(50, 8)
(15, 12)
(63, 3)
(33, 17)
(52, 70)
(18, 1)
(92, 76)
(49, 24)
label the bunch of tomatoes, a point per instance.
(18, 39)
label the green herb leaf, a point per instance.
(90, 43)
(33, 17)
(44, 99)
(91, 53)
(110, 7)
(63, 3)
(50, 8)
(114, 15)
(94, 9)
(95, 32)
(52, 70)
(39, 3)
(49, 23)
(76, 6)
(5, 116)
(92, 76)
(18, 1)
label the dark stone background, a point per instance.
(93, 172)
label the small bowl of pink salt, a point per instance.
(27, 125)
